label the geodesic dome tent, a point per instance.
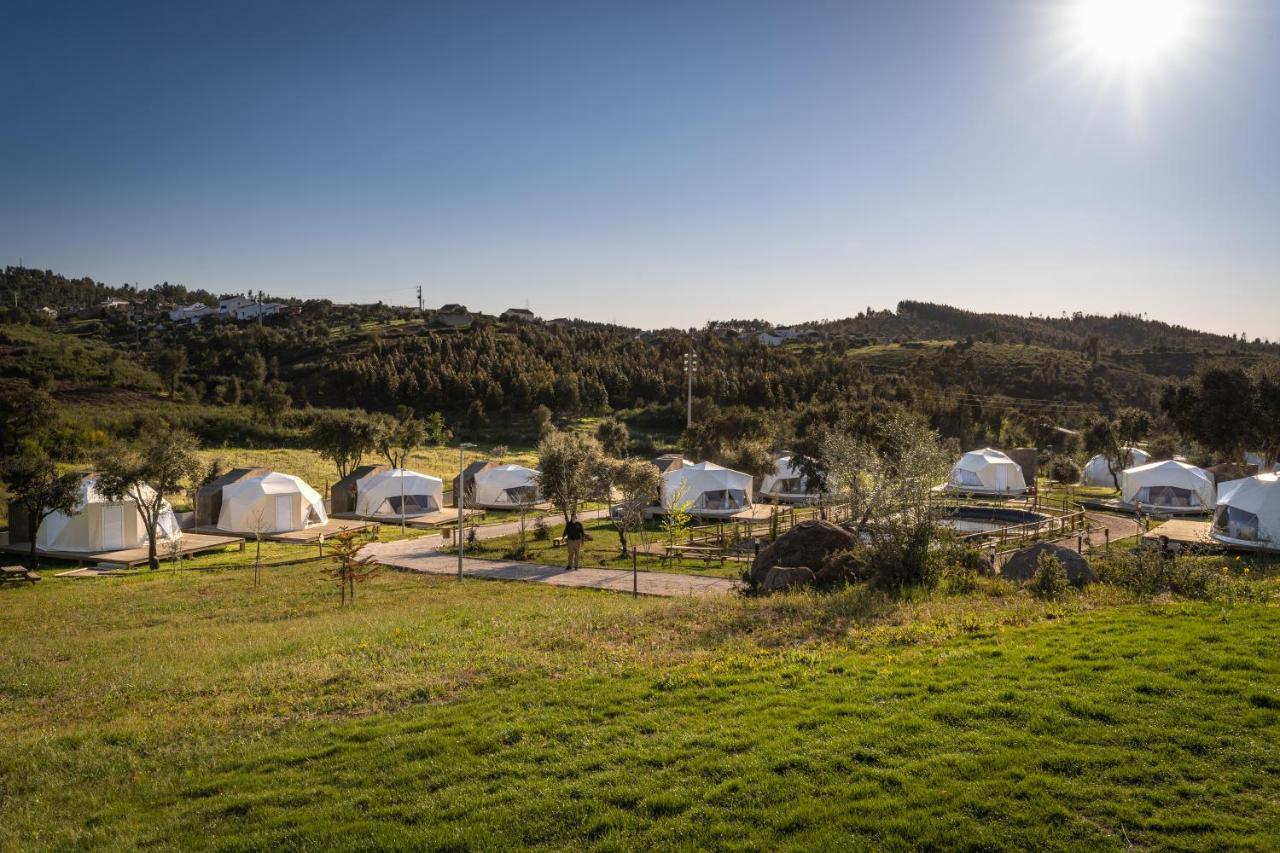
(505, 486)
(1248, 513)
(1168, 485)
(270, 502)
(1097, 471)
(709, 489)
(986, 472)
(99, 524)
(396, 491)
(786, 482)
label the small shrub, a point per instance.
(540, 530)
(905, 561)
(1147, 572)
(843, 567)
(1049, 583)
(1064, 469)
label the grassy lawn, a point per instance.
(600, 551)
(192, 710)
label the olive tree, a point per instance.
(34, 484)
(572, 465)
(888, 481)
(163, 459)
(344, 439)
(637, 482)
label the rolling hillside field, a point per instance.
(192, 710)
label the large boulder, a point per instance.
(785, 577)
(806, 544)
(1022, 565)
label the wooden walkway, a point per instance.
(192, 543)
(415, 555)
(308, 535)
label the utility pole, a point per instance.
(690, 368)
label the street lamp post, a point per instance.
(690, 368)
(459, 498)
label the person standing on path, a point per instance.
(574, 534)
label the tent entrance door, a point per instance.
(112, 528)
(284, 513)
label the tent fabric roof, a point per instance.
(987, 471)
(493, 485)
(783, 469)
(1097, 471)
(1169, 473)
(379, 487)
(702, 478)
(1257, 496)
(244, 500)
(60, 531)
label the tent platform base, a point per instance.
(308, 535)
(192, 544)
(1183, 532)
(1148, 511)
(425, 521)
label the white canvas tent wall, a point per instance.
(384, 493)
(786, 482)
(987, 472)
(1097, 471)
(1168, 485)
(506, 486)
(1248, 513)
(709, 489)
(270, 503)
(98, 524)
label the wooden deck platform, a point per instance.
(1181, 531)
(309, 535)
(426, 521)
(1147, 511)
(192, 543)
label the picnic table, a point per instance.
(17, 574)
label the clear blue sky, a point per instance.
(649, 162)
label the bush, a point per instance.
(540, 530)
(842, 567)
(1049, 583)
(1064, 470)
(905, 561)
(1148, 572)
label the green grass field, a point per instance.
(193, 710)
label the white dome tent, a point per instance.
(98, 524)
(986, 472)
(1097, 471)
(389, 494)
(787, 482)
(709, 489)
(1168, 486)
(506, 486)
(1248, 513)
(270, 503)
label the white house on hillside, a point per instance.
(254, 310)
(192, 313)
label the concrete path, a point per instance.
(421, 555)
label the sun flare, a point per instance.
(1134, 37)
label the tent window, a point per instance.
(963, 477)
(1236, 524)
(723, 499)
(791, 486)
(413, 504)
(313, 517)
(1167, 496)
(521, 495)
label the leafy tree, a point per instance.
(613, 437)
(1116, 437)
(1266, 383)
(750, 457)
(273, 401)
(677, 518)
(25, 413)
(170, 363)
(34, 484)
(402, 433)
(572, 466)
(344, 439)
(1215, 408)
(163, 459)
(637, 482)
(888, 483)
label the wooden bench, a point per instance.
(558, 542)
(17, 574)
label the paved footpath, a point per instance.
(423, 555)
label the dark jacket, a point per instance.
(574, 531)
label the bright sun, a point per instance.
(1132, 37)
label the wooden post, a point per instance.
(1079, 544)
(635, 575)
(1107, 539)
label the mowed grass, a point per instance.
(192, 710)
